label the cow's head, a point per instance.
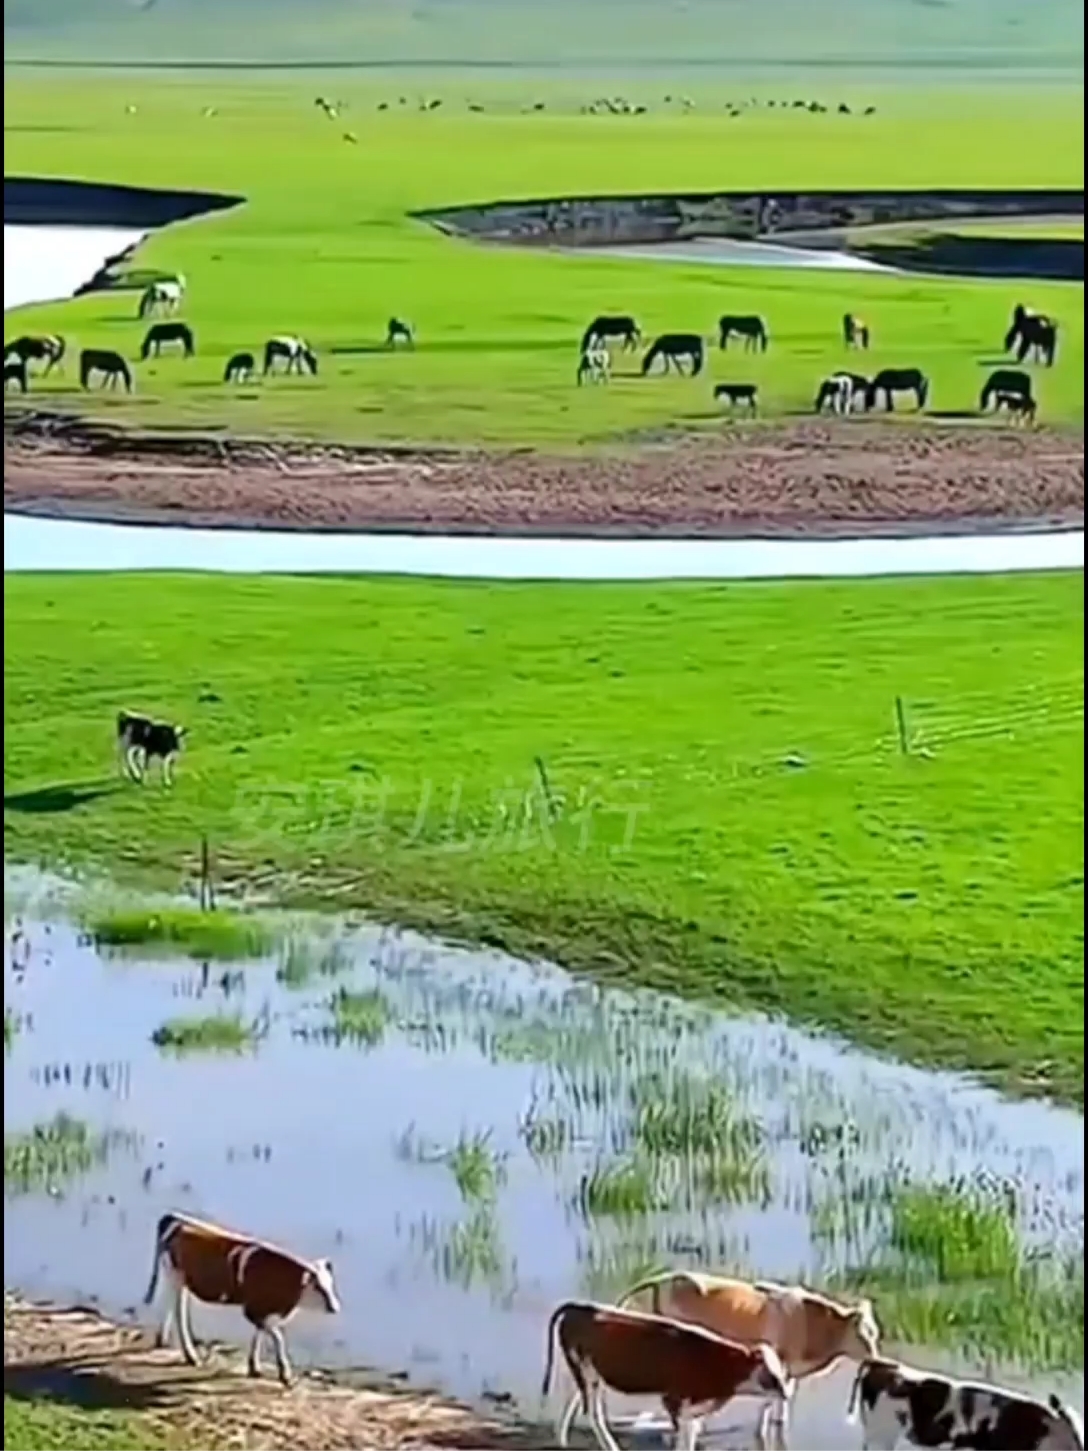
(319, 1289)
(861, 1333)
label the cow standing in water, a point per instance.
(808, 1331)
(694, 1372)
(221, 1267)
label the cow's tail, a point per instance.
(163, 1231)
(549, 1359)
(854, 1402)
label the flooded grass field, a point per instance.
(472, 1139)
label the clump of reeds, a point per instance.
(213, 1033)
(361, 1017)
(221, 935)
(50, 1154)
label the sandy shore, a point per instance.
(78, 1357)
(800, 478)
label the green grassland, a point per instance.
(325, 246)
(727, 813)
(44, 1425)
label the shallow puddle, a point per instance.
(467, 1152)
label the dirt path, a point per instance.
(799, 477)
(80, 1358)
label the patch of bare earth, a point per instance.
(801, 477)
(78, 1357)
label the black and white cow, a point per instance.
(141, 739)
(900, 1406)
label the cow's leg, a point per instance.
(283, 1364)
(599, 1421)
(168, 769)
(173, 1298)
(185, 1327)
(562, 1430)
(253, 1364)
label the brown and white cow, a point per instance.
(898, 1405)
(222, 1267)
(694, 1372)
(808, 1331)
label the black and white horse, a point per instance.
(672, 347)
(164, 295)
(34, 349)
(295, 352)
(110, 364)
(141, 740)
(840, 392)
(604, 328)
(167, 332)
(595, 365)
(240, 368)
(752, 329)
(890, 381)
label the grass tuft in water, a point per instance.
(53, 1153)
(13, 1024)
(478, 1170)
(220, 935)
(213, 1033)
(361, 1017)
(302, 961)
(625, 1190)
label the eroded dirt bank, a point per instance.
(801, 478)
(79, 1358)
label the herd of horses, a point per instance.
(1032, 336)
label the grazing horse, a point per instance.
(107, 362)
(167, 332)
(240, 368)
(841, 391)
(602, 328)
(595, 365)
(1004, 380)
(693, 1371)
(752, 329)
(165, 294)
(855, 333)
(34, 349)
(1032, 332)
(297, 353)
(398, 329)
(738, 393)
(222, 1267)
(674, 346)
(890, 381)
(1020, 406)
(16, 371)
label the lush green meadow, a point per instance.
(726, 811)
(325, 246)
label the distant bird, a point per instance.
(351, 136)
(326, 106)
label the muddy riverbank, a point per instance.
(798, 478)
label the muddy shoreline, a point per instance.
(79, 1357)
(786, 479)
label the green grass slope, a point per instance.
(730, 815)
(325, 247)
(974, 35)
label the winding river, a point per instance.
(47, 262)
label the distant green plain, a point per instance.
(325, 246)
(726, 811)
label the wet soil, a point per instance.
(799, 478)
(79, 1357)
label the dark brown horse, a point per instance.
(752, 329)
(34, 349)
(602, 328)
(110, 364)
(167, 332)
(1004, 380)
(890, 381)
(1032, 333)
(672, 347)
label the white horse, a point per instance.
(165, 294)
(296, 352)
(595, 364)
